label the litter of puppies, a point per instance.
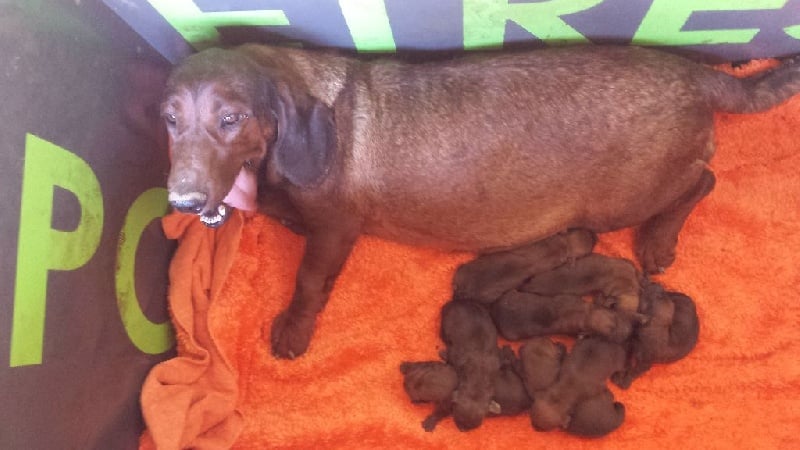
(623, 323)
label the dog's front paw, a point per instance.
(289, 336)
(655, 254)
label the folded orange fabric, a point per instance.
(190, 401)
(740, 387)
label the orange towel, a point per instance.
(190, 401)
(740, 387)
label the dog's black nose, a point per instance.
(192, 202)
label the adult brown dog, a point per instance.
(480, 153)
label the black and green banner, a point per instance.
(712, 29)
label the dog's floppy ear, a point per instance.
(306, 141)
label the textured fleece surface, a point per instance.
(739, 388)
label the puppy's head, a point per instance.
(224, 114)
(428, 381)
(467, 327)
(541, 362)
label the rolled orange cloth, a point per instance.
(191, 401)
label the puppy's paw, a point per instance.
(622, 379)
(289, 336)
(430, 422)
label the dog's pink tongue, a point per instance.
(243, 193)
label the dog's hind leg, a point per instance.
(658, 236)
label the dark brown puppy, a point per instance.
(435, 382)
(487, 277)
(583, 375)
(520, 315)
(670, 334)
(487, 141)
(510, 394)
(430, 382)
(615, 278)
(596, 416)
(471, 340)
(540, 363)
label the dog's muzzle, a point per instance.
(195, 203)
(191, 203)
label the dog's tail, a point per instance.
(760, 92)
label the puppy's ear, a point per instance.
(306, 141)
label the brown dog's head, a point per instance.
(225, 113)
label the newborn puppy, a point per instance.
(540, 363)
(489, 276)
(670, 334)
(471, 340)
(510, 395)
(596, 416)
(583, 375)
(430, 381)
(520, 315)
(616, 278)
(435, 382)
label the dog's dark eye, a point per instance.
(233, 119)
(170, 118)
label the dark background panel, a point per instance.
(420, 25)
(610, 22)
(66, 76)
(315, 24)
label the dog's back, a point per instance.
(490, 152)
